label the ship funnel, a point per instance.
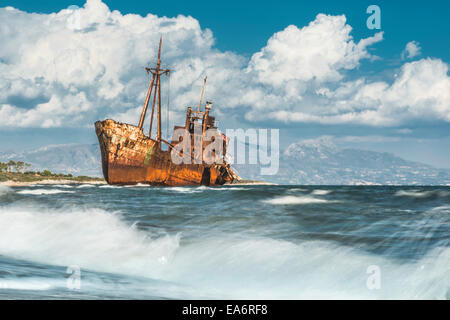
(208, 105)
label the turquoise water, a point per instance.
(238, 242)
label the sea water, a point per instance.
(231, 242)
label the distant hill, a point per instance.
(320, 161)
(77, 159)
(317, 161)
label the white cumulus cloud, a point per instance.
(77, 66)
(315, 52)
(411, 50)
(421, 91)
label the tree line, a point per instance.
(14, 166)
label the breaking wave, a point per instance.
(139, 185)
(445, 209)
(319, 192)
(28, 284)
(422, 194)
(187, 189)
(213, 266)
(5, 190)
(86, 186)
(44, 191)
(204, 188)
(108, 186)
(90, 238)
(287, 200)
(182, 189)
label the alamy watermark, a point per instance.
(236, 146)
(373, 281)
(74, 280)
(374, 20)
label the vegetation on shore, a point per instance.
(15, 171)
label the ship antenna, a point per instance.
(159, 51)
(168, 106)
(201, 96)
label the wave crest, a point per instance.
(422, 194)
(320, 192)
(215, 266)
(89, 238)
(5, 190)
(43, 191)
(286, 200)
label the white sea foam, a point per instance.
(228, 188)
(25, 284)
(91, 238)
(44, 191)
(217, 266)
(86, 186)
(287, 200)
(421, 194)
(445, 209)
(185, 189)
(181, 189)
(108, 186)
(298, 189)
(5, 190)
(203, 188)
(66, 186)
(177, 189)
(138, 185)
(320, 192)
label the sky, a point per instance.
(309, 68)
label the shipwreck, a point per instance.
(130, 157)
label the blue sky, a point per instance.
(245, 26)
(241, 29)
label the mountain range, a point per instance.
(321, 162)
(317, 161)
(77, 159)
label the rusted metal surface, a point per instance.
(130, 157)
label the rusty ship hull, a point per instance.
(129, 157)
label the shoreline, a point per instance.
(11, 183)
(251, 183)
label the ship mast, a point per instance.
(155, 82)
